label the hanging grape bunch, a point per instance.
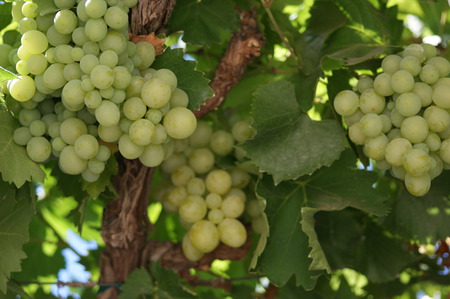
(84, 89)
(402, 117)
(208, 199)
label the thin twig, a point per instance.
(73, 284)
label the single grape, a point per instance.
(402, 81)
(204, 235)
(182, 175)
(218, 181)
(371, 124)
(152, 155)
(110, 133)
(396, 149)
(190, 252)
(414, 128)
(438, 119)
(371, 102)
(193, 208)
(196, 186)
(86, 146)
(444, 151)
(71, 129)
(107, 114)
(201, 160)
(391, 64)
(382, 85)
(128, 148)
(416, 162)
(418, 185)
(232, 232)
(22, 89)
(180, 123)
(375, 147)
(22, 135)
(441, 96)
(70, 162)
(364, 82)
(408, 104)
(356, 134)
(410, 64)
(232, 206)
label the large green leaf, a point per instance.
(204, 22)
(189, 80)
(424, 219)
(15, 165)
(288, 144)
(139, 284)
(287, 251)
(5, 15)
(14, 220)
(168, 285)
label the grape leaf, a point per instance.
(191, 81)
(287, 251)
(139, 284)
(6, 75)
(204, 22)
(288, 144)
(425, 219)
(15, 165)
(94, 189)
(167, 285)
(14, 220)
(5, 15)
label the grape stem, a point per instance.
(245, 44)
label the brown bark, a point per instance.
(149, 16)
(245, 44)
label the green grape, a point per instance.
(103, 153)
(218, 181)
(259, 225)
(204, 236)
(37, 128)
(242, 131)
(53, 77)
(118, 96)
(371, 102)
(375, 147)
(116, 18)
(146, 52)
(102, 76)
(429, 74)
(65, 4)
(196, 186)
(437, 166)
(23, 53)
(382, 85)
(86, 146)
(179, 98)
(65, 21)
(141, 131)
(167, 76)
(134, 108)
(27, 24)
(394, 134)
(356, 134)
(173, 162)
(422, 146)
(107, 93)
(424, 91)
(93, 130)
(418, 185)
(441, 96)
(156, 93)
(346, 102)
(364, 82)
(134, 87)
(37, 64)
(154, 115)
(96, 29)
(54, 129)
(410, 64)
(414, 50)
(371, 124)
(63, 54)
(398, 172)
(21, 68)
(441, 63)
(34, 41)
(180, 123)
(89, 176)
(176, 196)
(55, 38)
(30, 10)
(414, 128)
(433, 141)
(201, 160)
(96, 166)
(115, 41)
(202, 135)
(109, 58)
(253, 208)
(5, 49)
(239, 177)
(416, 162)
(79, 36)
(128, 148)
(58, 144)
(408, 104)
(22, 135)
(91, 47)
(354, 118)
(216, 216)
(190, 252)
(125, 124)
(152, 156)
(72, 72)
(438, 119)
(73, 95)
(221, 143)
(95, 8)
(232, 232)
(22, 89)
(39, 149)
(237, 192)
(107, 114)
(193, 209)
(122, 77)
(396, 149)
(160, 135)
(429, 50)
(396, 118)
(387, 124)
(402, 81)
(182, 175)
(71, 129)
(213, 201)
(391, 64)
(444, 151)
(232, 206)
(92, 99)
(44, 21)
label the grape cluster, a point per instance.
(209, 199)
(402, 116)
(84, 88)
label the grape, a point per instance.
(429, 74)
(215, 216)
(30, 9)
(65, 21)
(371, 102)
(346, 102)
(239, 177)
(22, 135)
(433, 141)
(178, 98)
(402, 81)
(152, 155)
(134, 87)
(95, 29)
(109, 58)
(89, 176)
(116, 18)
(128, 148)
(122, 77)
(414, 50)
(182, 175)
(167, 76)
(364, 82)
(416, 162)
(54, 129)
(193, 209)
(438, 119)
(375, 147)
(396, 149)
(96, 166)
(444, 151)
(107, 114)
(55, 38)
(156, 93)
(232, 206)
(418, 185)
(396, 118)
(70, 162)
(204, 235)
(429, 50)
(242, 131)
(91, 47)
(86, 146)
(441, 96)
(424, 91)
(22, 89)
(408, 104)
(103, 153)
(95, 8)
(232, 232)
(154, 115)
(73, 95)
(63, 54)
(37, 128)
(141, 131)
(180, 123)
(382, 85)
(218, 181)
(371, 125)
(71, 129)
(92, 99)
(134, 108)
(115, 41)
(201, 160)
(442, 64)
(356, 134)
(190, 252)
(391, 64)
(398, 172)
(53, 77)
(58, 144)
(414, 128)
(102, 76)
(146, 52)
(354, 118)
(196, 186)
(213, 201)
(27, 24)
(410, 64)
(387, 124)
(253, 208)
(34, 41)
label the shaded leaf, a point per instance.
(139, 284)
(15, 165)
(288, 144)
(168, 285)
(5, 15)
(191, 81)
(5, 74)
(204, 22)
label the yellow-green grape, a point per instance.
(398, 172)
(218, 181)
(193, 208)
(22, 135)
(141, 131)
(441, 63)
(354, 118)
(154, 115)
(414, 128)
(201, 135)
(116, 18)
(415, 50)
(396, 149)
(70, 162)
(429, 74)
(424, 91)
(65, 21)
(54, 76)
(26, 116)
(115, 41)
(182, 175)
(374, 147)
(103, 153)
(95, 8)
(371, 102)
(107, 114)
(232, 232)
(213, 201)
(128, 148)
(179, 98)
(408, 104)
(30, 9)
(109, 134)
(216, 216)
(39, 149)
(364, 82)
(418, 185)
(58, 144)
(86, 146)
(382, 85)
(204, 236)
(27, 24)
(396, 118)
(37, 64)
(222, 142)
(429, 50)
(73, 95)
(437, 166)
(201, 160)
(96, 29)
(63, 54)
(146, 52)
(102, 76)
(37, 128)
(152, 155)
(387, 124)
(253, 208)
(242, 131)
(346, 102)
(173, 162)
(5, 49)
(438, 119)
(444, 151)
(391, 64)
(433, 141)
(356, 134)
(34, 41)
(176, 196)
(190, 252)
(22, 89)
(96, 166)
(410, 64)
(402, 81)
(238, 192)
(55, 38)
(239, 177)
(196, 186)
(232, 206)
(180, 123)
(156, 93)
(167, 76)
(89, 176)
(416, 162)
(71, 129)
(371, 124)
(441, 96)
